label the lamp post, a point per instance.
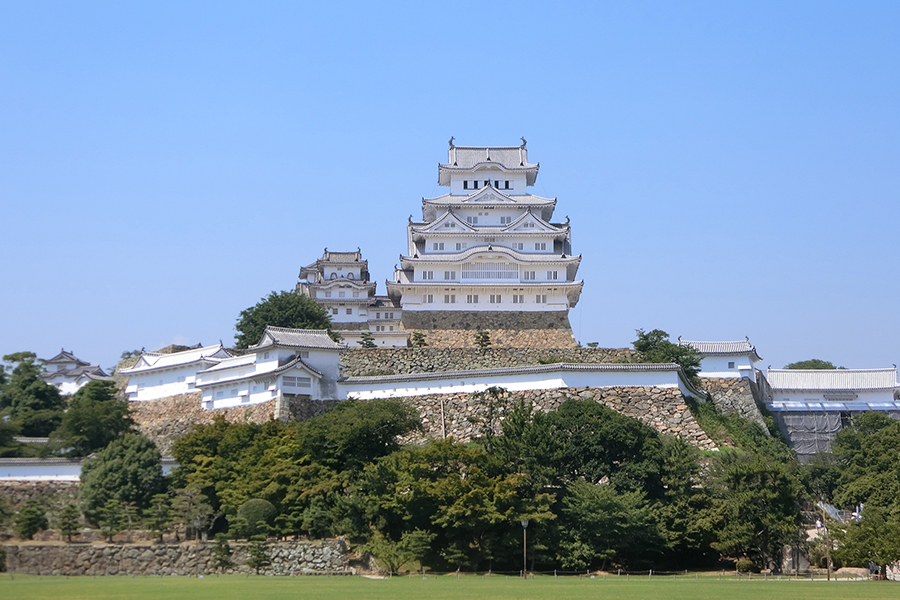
(524, 548)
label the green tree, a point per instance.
(813, 363)
(875, 537)
(8, 444)
(867, 451)
(95, 417)
(655, 347)
(68, 521)
(280, 309)
(193, 511)
(413, 546)
(483, 339)
(758, 510)
(418, 339)
(367, 340)
(222, 553)
(602, 525)
(258, 514)
(110, 518)
(158, 516)
(30, 519)
(258, 554)
(127, 470)
(33, 406)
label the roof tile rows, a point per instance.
(833, 379)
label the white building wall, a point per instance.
(819, 396)
(163, 383)
(727, 365)
(370, 388)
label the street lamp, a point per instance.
(524, 548)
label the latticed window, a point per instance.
(490, 270)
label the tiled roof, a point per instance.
(833, 379)
(91, 371)
(297, 362)
(739, 347)
(65, 357)
(296, 338)
(155, 360)
(510, 157)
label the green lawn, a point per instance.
(445, 587)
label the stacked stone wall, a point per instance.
(166, 419)
(288, 558)
(462, 415)
(735, 396)
(52, 495)
(456, 329)
(401, 361)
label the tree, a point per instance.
(158, 515)
(221, 553)
(8, 444)
(875, 537)
(813, 363)
(418, 339)
(193, 511)
(757, 504)
(483, 339)
(68, 521)
(655, 347)
(30, 520)
(413, 546)
(95, 417)
(280, 309)
(127, 470)
(258, 554)
(367, 340)
(258, 514)
(110, 518)
(602, 524)
(33, 406)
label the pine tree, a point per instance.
(221, 553)
(159, 518)
(30, 520)
(483, 339)
(258, 554)
(68, 521)
(367, 340)
(418, 339)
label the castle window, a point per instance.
(731, 365)
(497, 184)
(506, 185)
(528, 275)
(428, 298)
(472, 299)
(334, 311)
(449, 298)
(496, 299)
(389, 315)
(540, 245)
(518, 246)
(465, 185)
(349, 275)
(449, 275)
(505, 220)
(334, 275)
(426, 275)
(328, 294)
(541, 298)
(377, 315)
(438, 245)
(349, 311)
(518, 299)
(552, 275)
(390, 327)
(475, 184)
(460, 245)
(472, 220)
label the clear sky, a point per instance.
(730, 169)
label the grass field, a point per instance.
(438, 588)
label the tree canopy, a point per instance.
(95, 417)
(813, 363)
(127, 470)
(655, 347)
(279, 309)
(33, 406)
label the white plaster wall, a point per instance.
(556, 300)
(162, 383)
(819, 396)
(343, 271)
(469, 383)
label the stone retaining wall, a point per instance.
(166, 419)
(456, 329)
(53, 495)
(288, 558)
(664, 409)
(735, 396)
(400, 361)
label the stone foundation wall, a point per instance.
(399, 361)
(664, 409)
(53, 495)
(456, 329)
(288, 558)
(734, 396)
(166, 419)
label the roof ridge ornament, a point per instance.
(450, 141)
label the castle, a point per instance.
(485, 256)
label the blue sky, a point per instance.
(731, 169)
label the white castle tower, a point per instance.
(487, 247)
